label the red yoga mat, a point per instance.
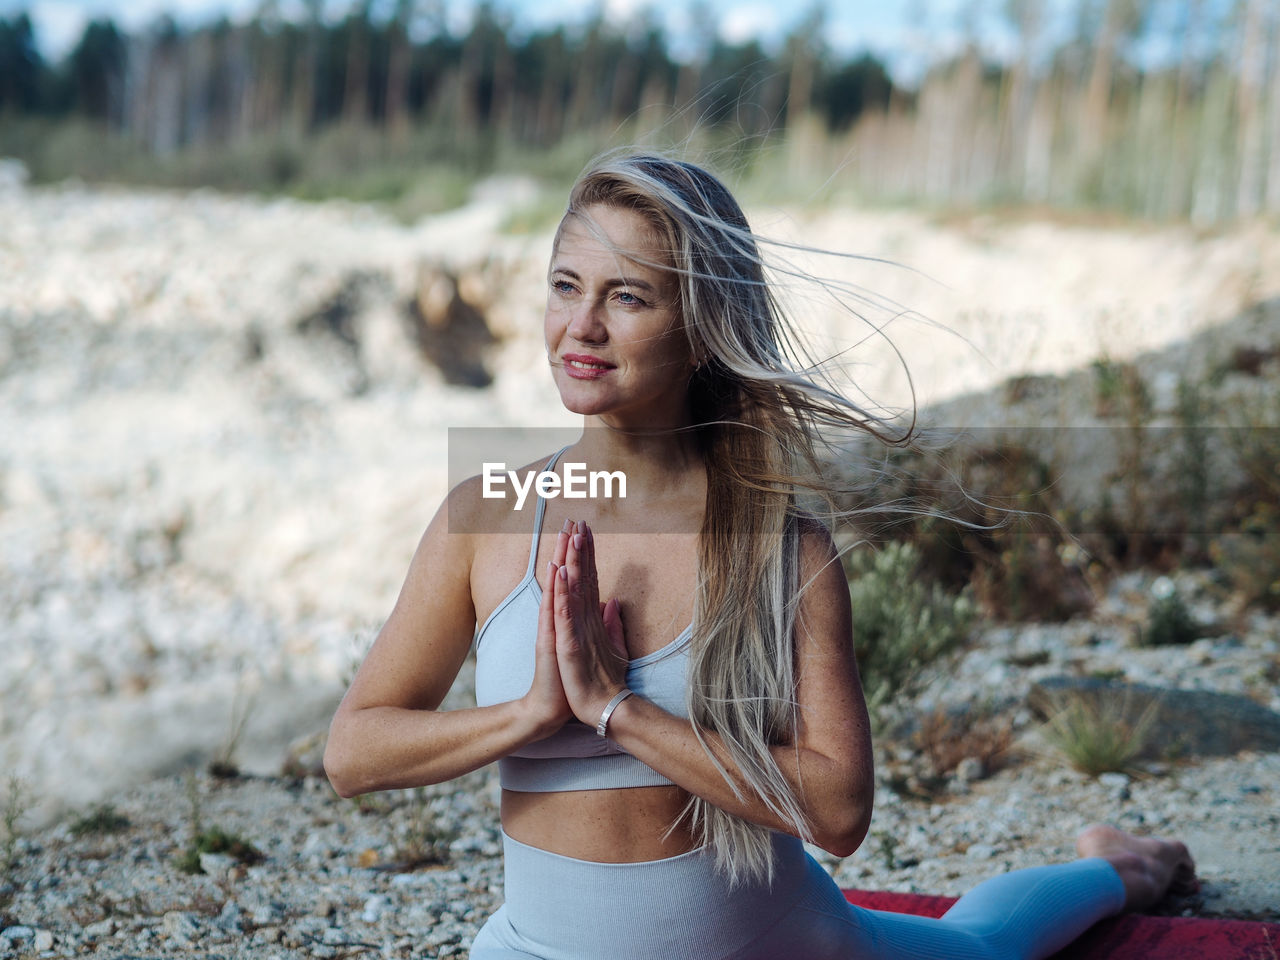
(1127, 937)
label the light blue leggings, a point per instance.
(559, 908)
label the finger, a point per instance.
(611, 613)
(582, 571)
(566, 634)
(590, 574)
(566, 549)
(562, 542)
(573, 561)
(546, 612)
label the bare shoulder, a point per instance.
(467, 511)
(819, 559)
(824, 616)
(833, 712)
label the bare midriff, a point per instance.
(607, 826)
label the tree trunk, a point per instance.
(1181, 156)
(1273, 119)
(398, 75)
(502, 103)
(1249, 113)
(303, 109)
(355, 95)
(1097, 98)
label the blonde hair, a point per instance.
(759, 407)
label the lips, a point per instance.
(581, 366)
(579, 361)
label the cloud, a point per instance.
(754, 21)
(622, 11)
(58, 24)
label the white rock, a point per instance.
(103, 928)
(181, 927)
(374, 907)
(231, 918)
(217, 865)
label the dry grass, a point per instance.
(947, 739)
(1100, 735)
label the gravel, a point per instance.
(415, 872)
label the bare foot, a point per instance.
(1150, 868)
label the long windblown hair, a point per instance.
(759, 406)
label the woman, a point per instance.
(658, 779)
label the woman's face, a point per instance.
(615, 336)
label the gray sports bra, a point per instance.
(572, 758)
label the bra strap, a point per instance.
(538, 514)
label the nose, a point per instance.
(586, 323)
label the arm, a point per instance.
(829, 763)
(388, 732)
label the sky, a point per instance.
(902, 32)
(907, 35)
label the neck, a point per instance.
(656, 462)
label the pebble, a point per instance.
(231, 918)
(217, 865)
(374, 908)
(181, 928)
(103, 928)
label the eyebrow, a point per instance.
(614, 282)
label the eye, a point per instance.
(561, 286)
(629, 299)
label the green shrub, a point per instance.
(1251, 557)
(984, 516)
(1254, 439)
(424, 842)
(887, 847)
(217, 840)
(901, 623)
(212, 839)
(1169, 622)
(1108, 385)
(101, 819)
(1099, 735)
(13, 808)
(1193, 463)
